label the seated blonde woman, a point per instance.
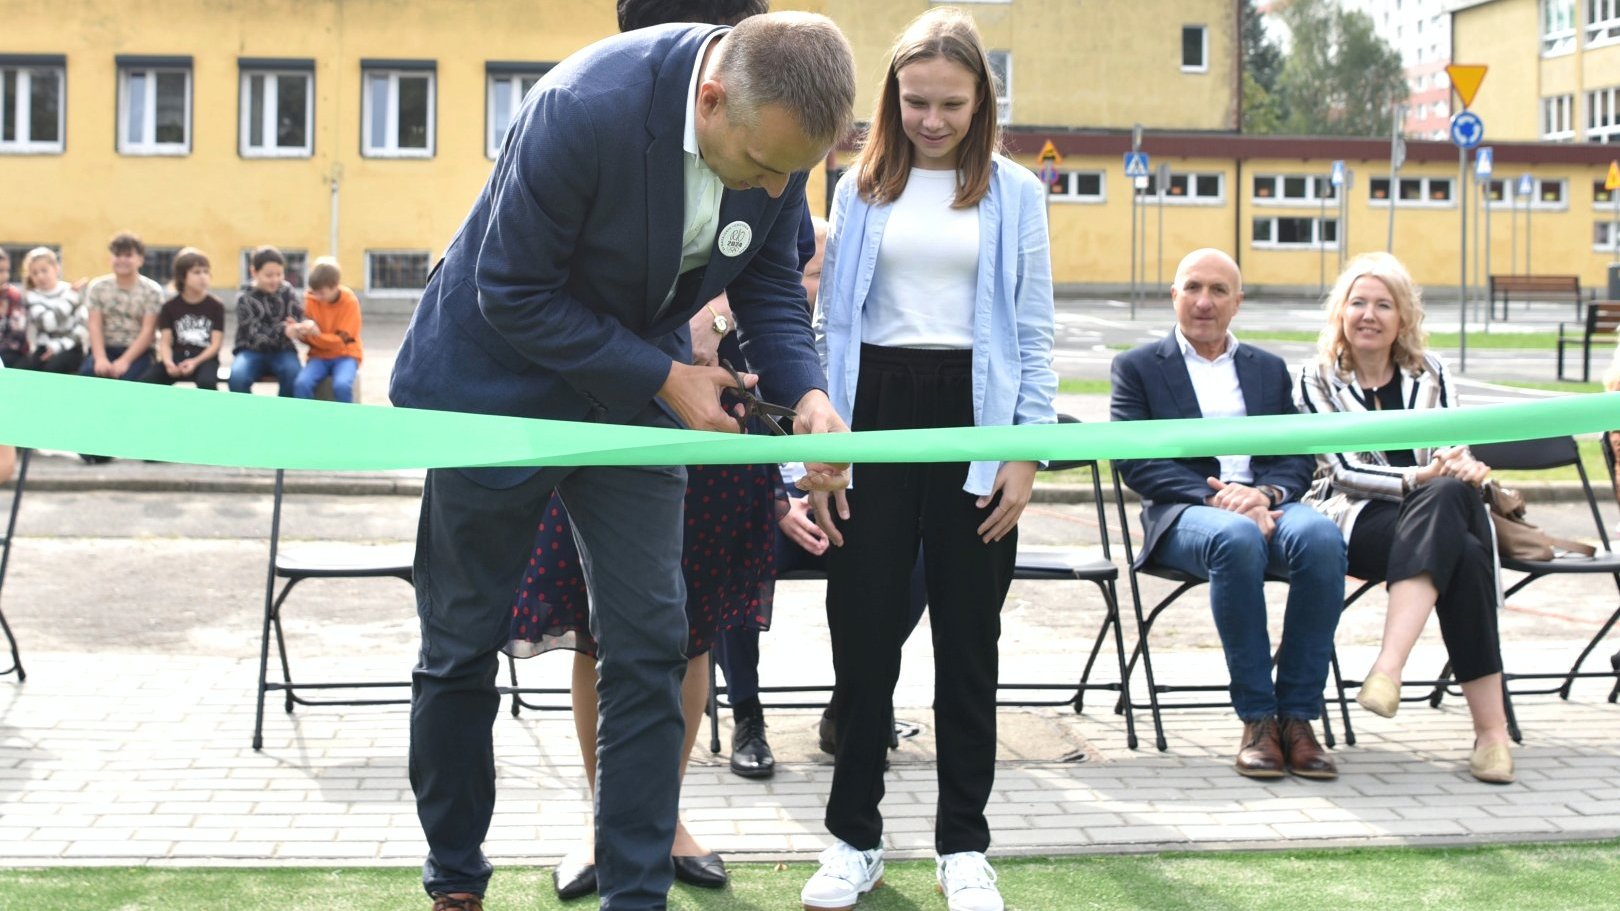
(1412, 518)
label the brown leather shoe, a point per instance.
(457, 901)
(1306, 758)
(1261, 753)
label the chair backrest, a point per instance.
(1096, 486)
(1540, 455)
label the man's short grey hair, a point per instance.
(800, 61)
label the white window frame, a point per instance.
(271, 74)
(1316, 242)
(1316, 184)
(26, 69)
(1557, 27)
(1602, 22)
(373, 290)
(1072, 195)
(1601, 196)
(1203, 36)
(1511, 198)
(1603, 236)
(1603, 114)
(1538, 200)
(509, 78)
(389, 148)
(1558, 118)
(1191, 197)
(1425, 198)
(1004, 98)
(147, 144)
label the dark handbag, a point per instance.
(1517, 539)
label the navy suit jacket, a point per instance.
(547, 302)
(1151, 383)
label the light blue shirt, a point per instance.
(1013, 379)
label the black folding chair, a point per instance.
(326, 562)
(1614, 482)
(1070, 564)
(5, 559)
(1144, 625)
(1540, 455)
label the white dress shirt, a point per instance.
(701, 218)
(1215, 383)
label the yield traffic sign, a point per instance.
(1465, 78)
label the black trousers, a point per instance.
(1441, 529)
(206, 375)
(894, 509)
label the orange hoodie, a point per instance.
(337, 319)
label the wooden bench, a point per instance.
(1602, 318)
(1534, 287)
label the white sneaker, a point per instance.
(844, 876)
(968, 882)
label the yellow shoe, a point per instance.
(1492, 764)
(1380, 694)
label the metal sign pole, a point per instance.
(1344, 216)
(1158, 275)
(1321, 252)
(1490, 305)
(1462, 260)
(1397, 152)
(1133, 246)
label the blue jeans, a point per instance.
(342, 371)
(137, 368)
(250, 365)
(1227, 549)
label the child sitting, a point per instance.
(263, 311)
(332, 332)
(191, 326)
(59, 320)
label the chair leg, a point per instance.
(16, 656)
(1575, 668)
(1096, 648)
(1614, 662)
(517, 701)
(1344, 703)
(1123, 705)
(1442, 680)
(264, 671)
(1512, 717)
(713, 708)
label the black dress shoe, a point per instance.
(573, 879)
(751, 756)
(707, 871)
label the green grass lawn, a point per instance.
(1565, 876)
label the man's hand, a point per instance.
(1014, 480)
(706, 341)
(1235, 497)
(1266, 518)
(825, 480)
(693, 393)
(801, 529)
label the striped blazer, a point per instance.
(1344, 481)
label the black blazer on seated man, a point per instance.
(1151, 383)
(547, 303)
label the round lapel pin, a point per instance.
(734, 238)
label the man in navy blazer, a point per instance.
(1235, 519)
(640, 177)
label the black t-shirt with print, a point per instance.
(192, 324)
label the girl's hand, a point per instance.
(1014, 481)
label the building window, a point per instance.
(1189, 187)
(397, 109)
(1604, 237)
(1601, 195)
(17, 250)
(1602, 21)
(1557, 27)
(505, 87)
(1292, 188)
(1078, 186)
(158, 264)
(295, 270)
(1194, 49)
(1001, 68)
(1603, 114)
(277, 109)
(31, 103)
(1550, 194)
(396, 272)
(1412, 191)
(1558, 118)
(1283, 233)
(154, 105)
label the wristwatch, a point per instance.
(1274, 494)
(721, 325)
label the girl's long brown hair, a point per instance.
(884, 161)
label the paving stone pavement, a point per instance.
(113, 758)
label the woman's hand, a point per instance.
(801, 529)
(1014, 481)
(1457, 462)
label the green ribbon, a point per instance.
(175, 424)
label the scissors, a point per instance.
(754, 406)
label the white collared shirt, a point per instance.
(1215, 383)
(701, 218)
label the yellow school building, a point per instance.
(366, 128)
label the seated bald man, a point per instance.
(1234, 519)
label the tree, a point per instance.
(1339, 78)
(1262, 61)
